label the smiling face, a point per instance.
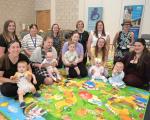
(22, 67)
(75, 37)
(80, 25)
(55, 28)
(14, 49)
(33, 30)
(48, 43)
(138, 47)
(11, 27)
(101, 42)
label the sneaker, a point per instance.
(22, 104)
(36, 94)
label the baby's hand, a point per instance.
(74, 63)
(14, 79)
(93, 71)
(35, 82)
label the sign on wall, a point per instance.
(134, 13)
(94, 14)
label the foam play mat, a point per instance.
(78, 100)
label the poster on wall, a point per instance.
(134, 13)
(94, 14)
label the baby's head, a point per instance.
(119, 66)
(98, 62)
(49, 56)
(71, 46)
(22, 66)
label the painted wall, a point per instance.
(42, 4)
(21, 12)
(113, 13)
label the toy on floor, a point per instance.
(117, 76)
(24, 85)
(97, 71)
(89, 85)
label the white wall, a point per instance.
(42, 4)
(113, 13)
(145, 28)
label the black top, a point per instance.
(142, 73)
(13, 67)
(83, 39)
(4, 43)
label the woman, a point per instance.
(137, 65)
(8, 35)
(31, 40)
(83, 38)
(80, 52)
(8, 67)
(99, 51)
(123, 40)
(39, 55)
(98, 32)
(58, 41)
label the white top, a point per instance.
(37, 55)
(94, 38)
(99, 71)
(70, 57)
(30, 43)
(45, 61)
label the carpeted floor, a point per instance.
(79, 100)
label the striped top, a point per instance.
(30, 43)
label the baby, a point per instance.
(71, 57)
(97, 71)
(117, 76)
(51, 69)
(24, 85)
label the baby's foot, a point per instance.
(22, 105)
(36, 94)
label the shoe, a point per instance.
(36, 94)
(22, 105)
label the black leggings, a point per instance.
(82, 68)
(10, 89)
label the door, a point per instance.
(43, 19)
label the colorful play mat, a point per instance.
(78, 100)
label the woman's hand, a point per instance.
(12, 79)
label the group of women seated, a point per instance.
(33, 49)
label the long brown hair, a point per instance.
(144, 58)
(104, 49)
(96, 31)
(52, 30)
(6, 32)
